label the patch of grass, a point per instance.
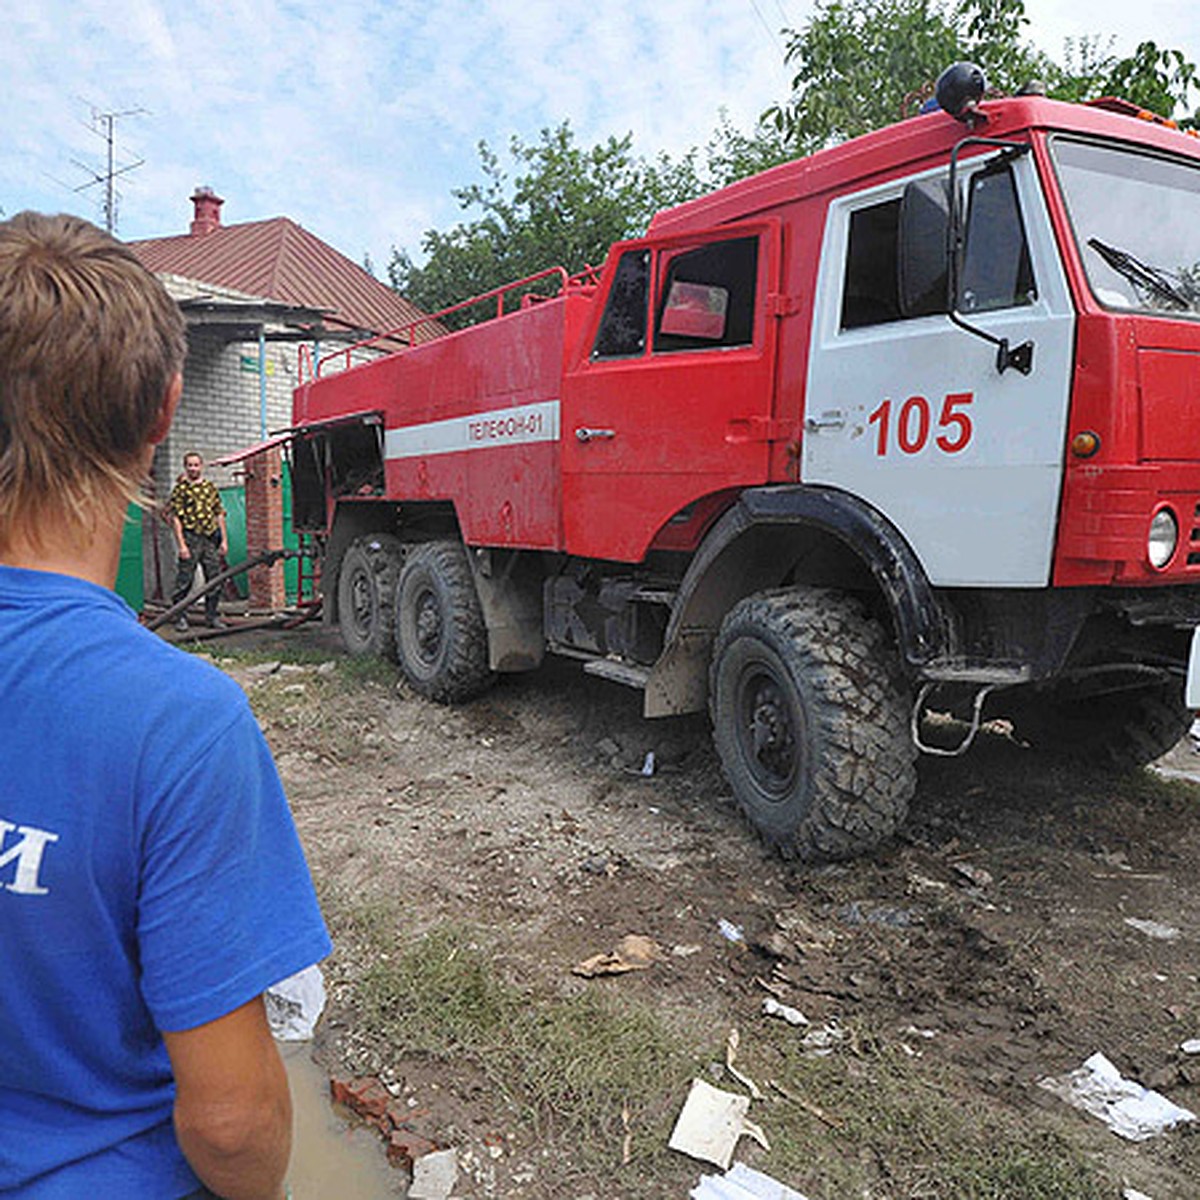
(326, 718)
(866, 1120)
(363, 669)
(1153, 790)
(568, 1064)
(226, 655)
(324, 712)
(875, 1122)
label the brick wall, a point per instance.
(264, 527)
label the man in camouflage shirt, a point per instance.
(198, 518)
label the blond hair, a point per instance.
(89, 344)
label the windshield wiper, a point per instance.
(1140, 274)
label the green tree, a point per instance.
(563, 204)
(731, 155)
(1160, 80)
(861, 64)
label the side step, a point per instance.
(618, 672)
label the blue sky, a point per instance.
(356, 119)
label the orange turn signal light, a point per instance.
(1085, 443)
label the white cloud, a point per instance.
(356, 119)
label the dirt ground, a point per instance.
(991, 939)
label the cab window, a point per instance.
(871, 288)
(707, 297)
(622, 332)
(996, 270)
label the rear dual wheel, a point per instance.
(366, 588)
(441, 638)
(810, 722)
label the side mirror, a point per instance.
(923, 266)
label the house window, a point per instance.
(622, 332)
(707, 297)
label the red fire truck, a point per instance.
(911, 425)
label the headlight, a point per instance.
(1164, 534)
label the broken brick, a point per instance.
(366, 1097)
(405, 1147)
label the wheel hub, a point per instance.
(771, 738)
(362, 602)
(428, 627)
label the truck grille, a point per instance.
(1193, 539)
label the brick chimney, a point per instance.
(207, 211)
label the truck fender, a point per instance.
(792, 533)
(509, 586)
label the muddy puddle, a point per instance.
(330, 1157)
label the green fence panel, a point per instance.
(130, 583)
(291, 567)
(234, 500)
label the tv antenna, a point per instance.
(104, 124)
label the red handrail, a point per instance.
(404, 333)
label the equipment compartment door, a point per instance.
(912, 414)
(670, 396)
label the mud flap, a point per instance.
(1191, 694)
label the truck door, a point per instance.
(910, 412)
(670, 395)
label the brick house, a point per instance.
(255, 296)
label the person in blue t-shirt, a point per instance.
(152, 885)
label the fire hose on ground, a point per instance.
(266, 559)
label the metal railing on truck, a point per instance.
(586, 279)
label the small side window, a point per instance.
(996, 269)
(871, 294)
(707, 297)
(622, 332)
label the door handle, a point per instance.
(830, 419)
(584, 434)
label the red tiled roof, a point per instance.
(279, 260)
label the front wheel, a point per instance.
(441, 638)
(810, 722)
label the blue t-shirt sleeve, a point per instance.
(226, 906)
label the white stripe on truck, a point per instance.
(517, 426)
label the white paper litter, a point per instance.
(1134, 1194)
(1154, 929)
(743, 1183)
(1191, 1046)
(1127, 1108)
(820, 1041)
(434, 1175)
(793, 1016)
(295, 1004)
(710, 1123)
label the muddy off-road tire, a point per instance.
(1120, 730)
(441, 639)
(366, 591)
(811, 722)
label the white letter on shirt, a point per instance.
(28, 853)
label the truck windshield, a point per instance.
(1137, 222)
